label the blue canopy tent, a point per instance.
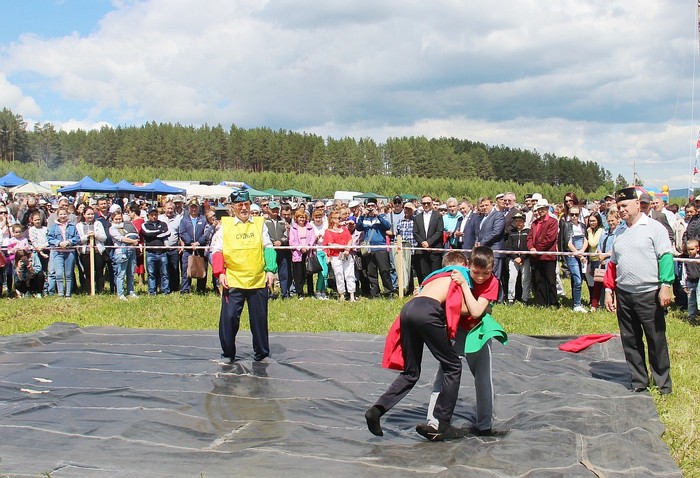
(10, 180)
(125, 186)
(159, 187)
(88, 185)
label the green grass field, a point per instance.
(677, 411)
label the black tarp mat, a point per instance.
(112, 402)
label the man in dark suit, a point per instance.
(427, 232)
(192, 235)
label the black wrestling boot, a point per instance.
(441, 433)
(372, 416)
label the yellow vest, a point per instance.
(243, 252)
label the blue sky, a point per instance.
(604, 80)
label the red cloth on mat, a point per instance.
(585, 341)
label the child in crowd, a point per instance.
(39, 242)
(12, 244)
(477, 303)
(24, 273)
(422, 321)
(689, 281)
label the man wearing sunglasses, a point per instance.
(427, 232)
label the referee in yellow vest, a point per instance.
(245, 263)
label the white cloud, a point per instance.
(596, 79)
(11, 97)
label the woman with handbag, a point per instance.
(301, 237)
(63, 237)
(594, 232)
(342, 262)
(604, 250)
(124, 237)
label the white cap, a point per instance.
(329, 203)
(114, 208)
(353, 203)
(536, 197)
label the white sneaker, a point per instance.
(133, 295)
(580, 308)
(121, 297)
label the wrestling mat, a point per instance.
(110, 402)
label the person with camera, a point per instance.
(375, 227)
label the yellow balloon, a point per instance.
(664, 188)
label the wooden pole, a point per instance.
(399, 265)
(92, 265)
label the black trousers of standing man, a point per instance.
(232, 301)
(639, 316)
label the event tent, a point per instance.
(295, 194)
(254, 193)
(408, 197)
(274, 192)
(125, 186)
(370, 196)
(205, 191)
(30, 188)
(159, 187)
(88, 185)
(11, 180)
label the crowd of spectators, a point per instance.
(325, 249)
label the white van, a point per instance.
(345, 196)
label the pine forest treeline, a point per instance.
(262, 150)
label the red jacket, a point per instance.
(543, 237)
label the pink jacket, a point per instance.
(295, 241)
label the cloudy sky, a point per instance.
(605, 80)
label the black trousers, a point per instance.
(427, 263)
(284, 271)
(639, 316)
(544, 282)
(99, 273)
(300, 276)
(232, 301)
(378, 265)
(423, 322)
(173, 269)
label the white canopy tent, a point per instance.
(30, 188)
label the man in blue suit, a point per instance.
(192, 234)
(471, 228)
(492, 234)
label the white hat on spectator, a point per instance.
(178, 198)
(542, 203)
(353, 203)
(329, 203)
(536, 197)
(114, 208)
